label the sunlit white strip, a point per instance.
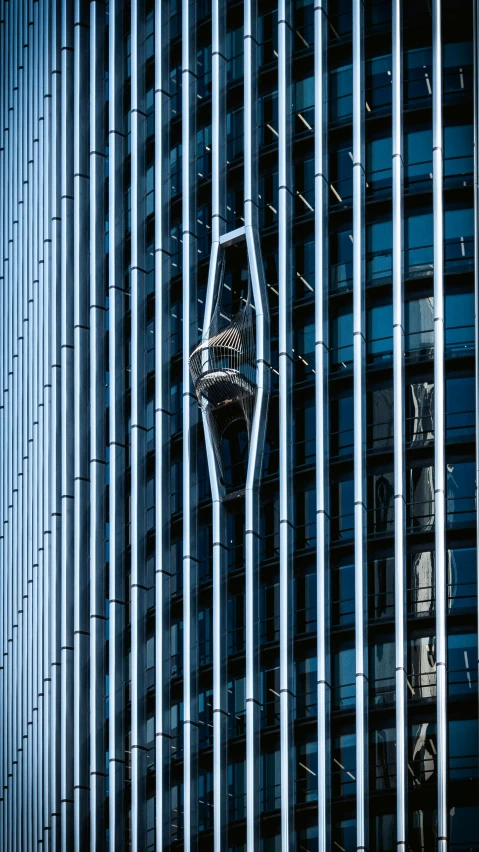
(439, 448)
(118, 301)
(359, 351)
(321, 398)
(398, 391)
(285, 317)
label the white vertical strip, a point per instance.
(359, 350)
(81, 402)
(399, 436)
(285, 421)
(189, 423)
(97, 698)
(117, 437)
(55, 472)
(162, 430)
(439, 448)
(138, 432)
(67, 450)
(258, 427)
(322, 421)
(476, 255)
(218, 199)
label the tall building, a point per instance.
(239, 289)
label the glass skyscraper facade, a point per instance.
(239, 287)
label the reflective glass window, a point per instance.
(418, 159)
(306, 772)
(420, 482)
(342, 509)
(379, 238)
(419, 325)
(420, 412)
(418, 244)
(341, 259)
(344, 678)
(383, 758)
(384, 832)
(421, 677)
(378, 165)
(341, 93)
(306, 686)
(421, 589)
(342, 433)
(344, 765)
(459, 320)
(382, 666)
(460, 414)
(423, 754)
(342, 581)
(464, 826)
(381, 588)
(381, 418)
(458, 239)
(461, 490)
(458, 157)
(463, 757)
(462, 578)
(342, 340)
(378, 84)
(379, 324)
(462, 664)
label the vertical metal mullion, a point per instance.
(67, 451)
(439, 445)
(189, 423)
(15, 442)
(359, 350)
(20, 425)
(258, 427)
(81, 401)
(218, 225)
(2, 434)
(399, 426)
(55, 475)
(162, 430)
(476, 256)
(117, 437)
(285, 342)
(322, 422)
(40, 416)
(97, 431)
(48, 442)
(35, 445)
(138, 431)
(218, 220)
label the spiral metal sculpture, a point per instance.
(223, 369)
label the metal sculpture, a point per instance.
(223, 368)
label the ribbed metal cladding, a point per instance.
(99, 174)
(359, 358)
(400, 584)
(439, 431)
(321, 193)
